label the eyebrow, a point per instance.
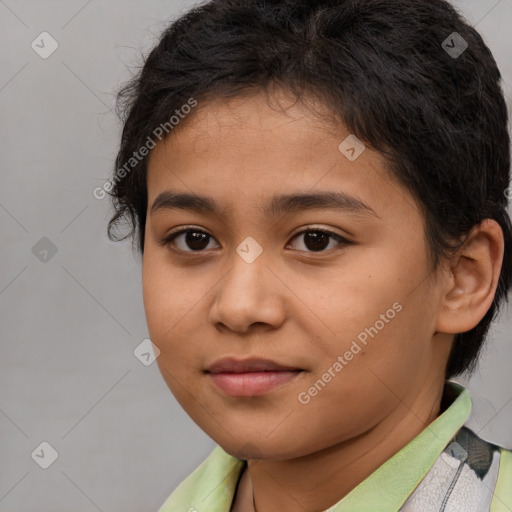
(277, 205)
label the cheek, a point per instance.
(166, 316)
(173, 303)
(158, 305)
(382, 358)
(168, 295)
(377, 321)
(362, 304)
(357, 393)
(165, 306)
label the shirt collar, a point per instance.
(389, 486)
(211, 487)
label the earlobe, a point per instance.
(471, 286)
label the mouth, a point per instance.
(250, 377)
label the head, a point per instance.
(352, 100)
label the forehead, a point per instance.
(245, 151)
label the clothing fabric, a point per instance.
(446, 468)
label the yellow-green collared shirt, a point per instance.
(394, 486)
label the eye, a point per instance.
(195, 239)
(317, 240)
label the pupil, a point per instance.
(196, 241)
(315, 240)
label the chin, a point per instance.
(261, 450)
(248, 451)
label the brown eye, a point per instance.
(195, 240)
(188, 240)
(318, 240)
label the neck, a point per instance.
(317, 481)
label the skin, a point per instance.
(300, 307)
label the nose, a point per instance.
(249, 295)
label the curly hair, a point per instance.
(382, 68)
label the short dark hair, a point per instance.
(383, 68)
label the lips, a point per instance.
(250, 377)
(231, 365)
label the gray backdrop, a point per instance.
(71, 312)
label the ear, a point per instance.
(472, 283)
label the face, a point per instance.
(285, 323)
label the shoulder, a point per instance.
(209, 487)
(502, 498)
(492, 464)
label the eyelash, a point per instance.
(170, 237)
